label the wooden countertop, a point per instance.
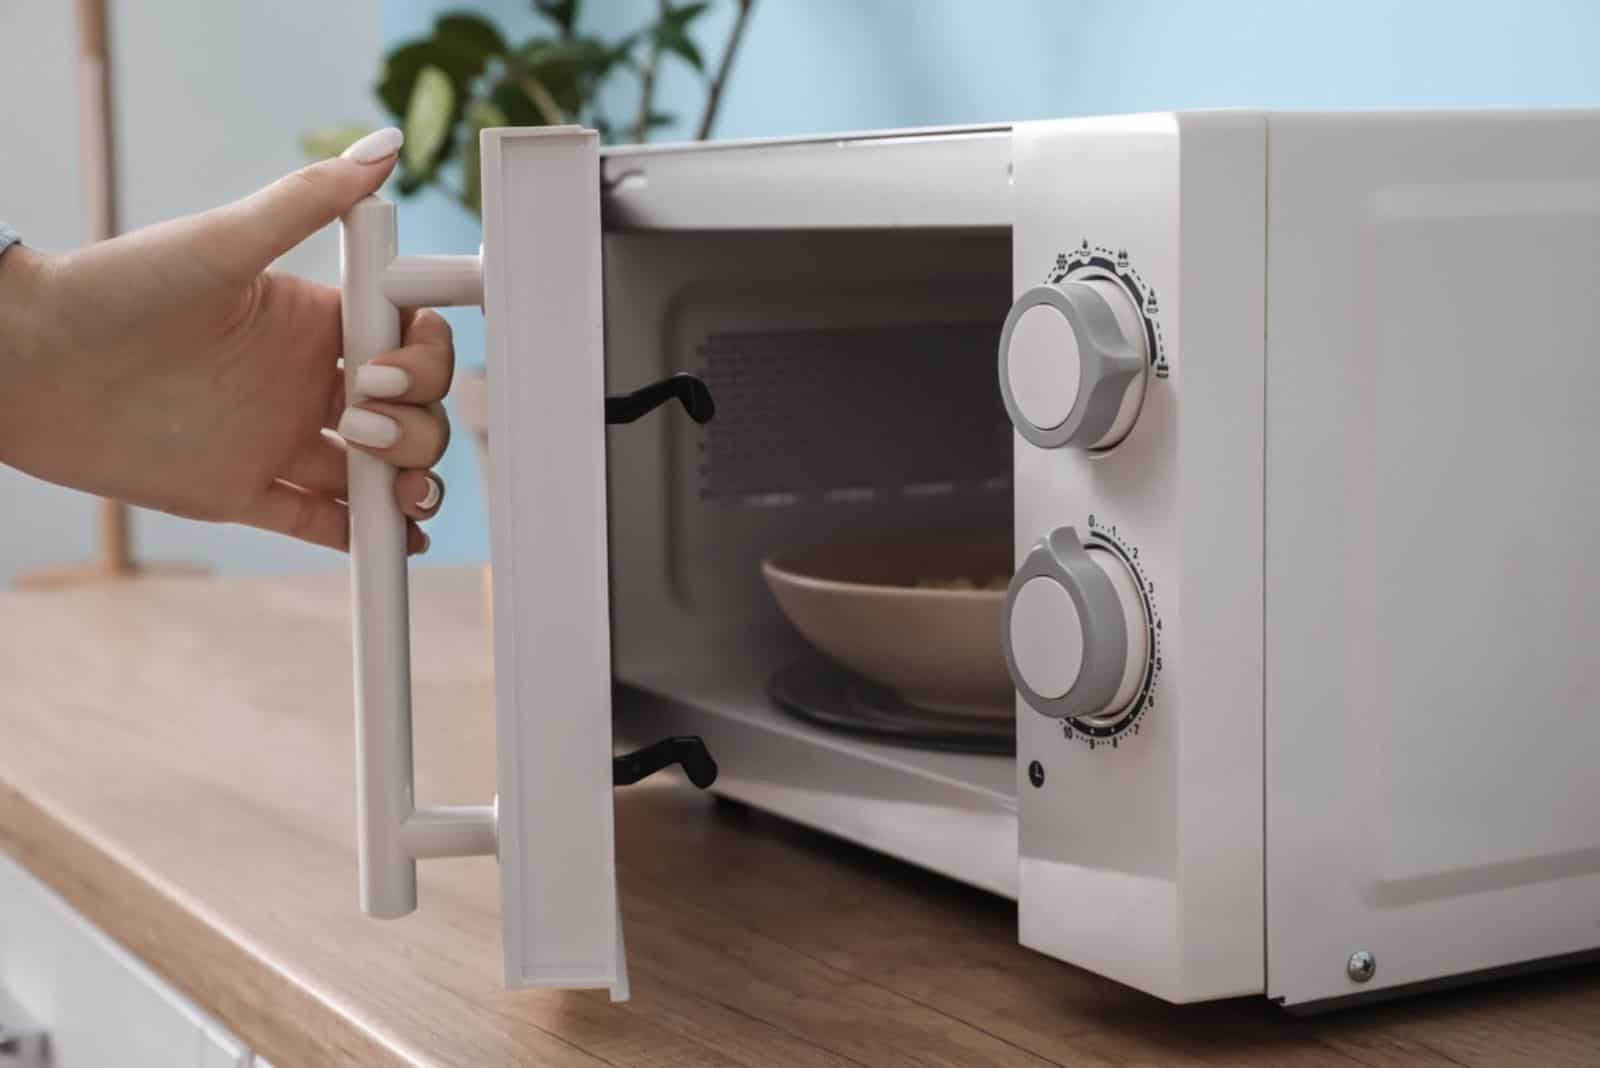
(175, 759)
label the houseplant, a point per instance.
(464, 76)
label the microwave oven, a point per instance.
(1288, 417)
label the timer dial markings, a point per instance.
(1131, 601)
(1082, 638)
(1107, 730)
(1097, 260)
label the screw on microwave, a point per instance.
(1036, 773)
(1361, 966)
(687, 750)
(690, 391)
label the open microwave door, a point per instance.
(547, 502)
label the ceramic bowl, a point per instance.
(885, 611)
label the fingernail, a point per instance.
(361, 427)
(376, 380)
(431, 495)
(377, 145)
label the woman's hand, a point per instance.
(169, 369)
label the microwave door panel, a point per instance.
(543, 330)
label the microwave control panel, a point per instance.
(1077, 356)
(1131, 365)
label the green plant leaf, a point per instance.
(470, 33)
(682, 16)
(332, 140)
(564, 13)
(484, 115)
(480, 115)
(429, 116)
(515, 104)
(669, 39)
(402, 66)
(409, 182)
(571, 69)
(578, 54)
(623, 48)
(567, 72)
(671, 34)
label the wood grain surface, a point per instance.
(175, 760)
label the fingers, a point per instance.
(315, 518)
(402, 434)
(418, 372)
(417, 540)
(321, 466)
(397, 413)
(418, 493)
(255, 231)
(312, 517)
(407, 426)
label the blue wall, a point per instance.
(816, 65)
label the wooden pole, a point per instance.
(97, 160)
(97, 153)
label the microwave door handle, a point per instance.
(392, 833)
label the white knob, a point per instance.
(1073, 364)
(1075, 637)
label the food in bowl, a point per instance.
(999, 582)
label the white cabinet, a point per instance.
(98, 1004)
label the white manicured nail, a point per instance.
(361, 427)
(377, 145)
(430, 496)
(376, 380)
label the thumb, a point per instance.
(256, 230)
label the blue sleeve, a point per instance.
(8, 237)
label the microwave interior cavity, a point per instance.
(854, 375)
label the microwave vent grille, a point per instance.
(849, 416)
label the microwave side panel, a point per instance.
(1141, 853)
(547, 525)
(1432, 518)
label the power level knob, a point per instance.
(1072, 364)
(1075, 634)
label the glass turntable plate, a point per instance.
(820, 692)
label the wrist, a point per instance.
(26, 311)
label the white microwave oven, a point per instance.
(1290, 420)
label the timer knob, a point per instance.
(1072, 364)
(1075, 634)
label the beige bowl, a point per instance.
(869, 608)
